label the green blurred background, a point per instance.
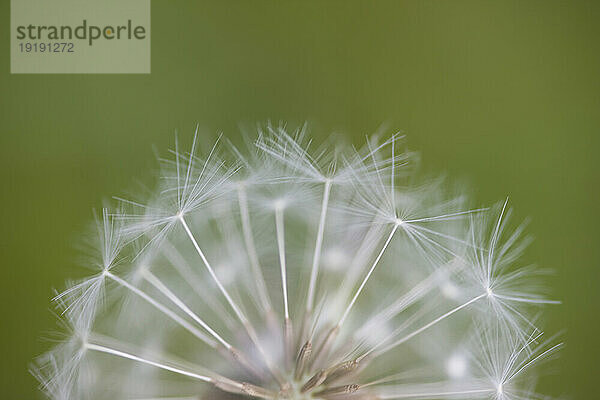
(504, 94)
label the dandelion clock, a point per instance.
(284, 270)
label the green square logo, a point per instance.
(80, 36)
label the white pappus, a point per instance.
(286, 272)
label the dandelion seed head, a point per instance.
(296, 270)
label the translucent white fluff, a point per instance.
(285, 272)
